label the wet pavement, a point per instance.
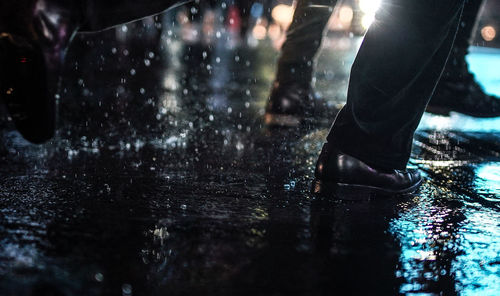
(163, 180)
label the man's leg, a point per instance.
(24, 83)
(292, 95)
(34, 36)
(393, 77)
(303, 40)
(457, 89)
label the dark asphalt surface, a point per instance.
(163, 180)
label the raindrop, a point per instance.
(127, 290)
(99, 277)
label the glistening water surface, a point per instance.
(163, 179)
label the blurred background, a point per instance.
(258, 20)
(252, 21)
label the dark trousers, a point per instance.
(303, 40)
(393, 77)
(296, 63)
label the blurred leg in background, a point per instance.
(458, 89)
(292, 95)
(34, 36)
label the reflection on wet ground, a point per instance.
(164, 180)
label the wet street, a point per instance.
(164, 180)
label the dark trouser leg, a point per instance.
(34, 35)
(394, 75)
(303, 40)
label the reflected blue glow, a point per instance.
(421, 231)
(438, 242)
(487, 179)
(478, 269)
(484, 63)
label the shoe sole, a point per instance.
(280, 120)
(438, 110)
(356, 192)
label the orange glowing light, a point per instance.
(488, 33)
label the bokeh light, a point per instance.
(283, 14)
(488, 33)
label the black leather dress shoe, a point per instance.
(345, 177)
(464, 96)
(289, 104)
